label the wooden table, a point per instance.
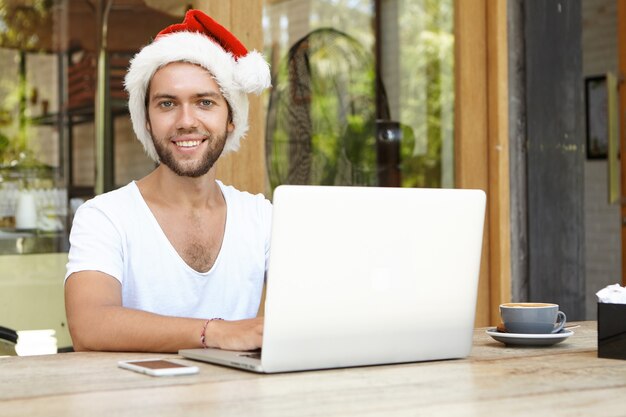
(563, 380)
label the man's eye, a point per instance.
(166, 104)
(206, 103)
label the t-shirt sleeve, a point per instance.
(95, 244)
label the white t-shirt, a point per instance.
(116, 233)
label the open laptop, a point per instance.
(366, 276)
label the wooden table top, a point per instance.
(565, 379)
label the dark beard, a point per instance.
(215, 147)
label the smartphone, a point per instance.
(158, 367)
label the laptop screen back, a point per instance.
(362, 276)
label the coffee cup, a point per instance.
(535, 318)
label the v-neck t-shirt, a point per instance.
(116, 233)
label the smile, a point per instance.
(188, 143)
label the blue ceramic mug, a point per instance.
(535, 318)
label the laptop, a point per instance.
(366, 276)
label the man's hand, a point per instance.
(235, 335)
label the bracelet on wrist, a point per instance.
(203, 334)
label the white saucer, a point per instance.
(530, 339)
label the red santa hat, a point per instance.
(199, 40)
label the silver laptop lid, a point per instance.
(365, 275)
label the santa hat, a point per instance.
(199, 40)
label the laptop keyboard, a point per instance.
(254, 355)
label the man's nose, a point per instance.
(186, 117)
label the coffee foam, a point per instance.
(532, 305)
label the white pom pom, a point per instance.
(252, 73)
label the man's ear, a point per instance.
(230, 127)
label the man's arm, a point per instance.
(98, 321)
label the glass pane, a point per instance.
(326, 124)
(322, 110)
(48, 79)
(418, 72)
(33, 195)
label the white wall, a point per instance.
(602, 221)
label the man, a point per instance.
(177, 259)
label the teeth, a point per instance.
(188, 143)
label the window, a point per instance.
(363, 92)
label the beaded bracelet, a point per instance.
(203, 334)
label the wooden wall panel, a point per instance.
(244, 169)
(471, 122)
(498, 157)
(481, 141)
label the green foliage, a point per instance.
(21, 25)
(427, 92)
(4, 143)
(14, 123)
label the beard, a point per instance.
(191, 169)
